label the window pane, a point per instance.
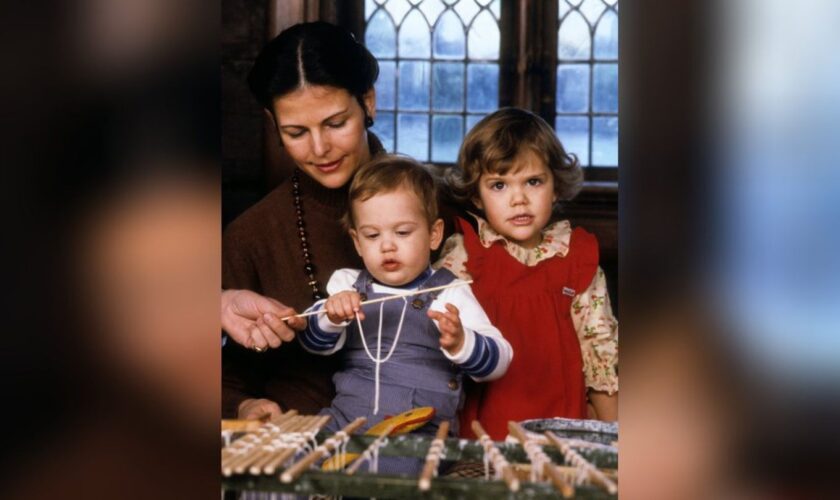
(472, 120)
(413, 136)
(415, 38)
(606, 88)
(573, 39)
(414, 85)
(573, 88)
(380, 37)
(606, 37)
(592, 9)
(383, 127)
(482, 87)
(432, 9)
(397, 8)
(448, 86)
(449, 37)
(386, 85)
(446, 137)
(605, 141)
(466, 9)
(484, 37)
(573, 132)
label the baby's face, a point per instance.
(393, 236)
(518, 204)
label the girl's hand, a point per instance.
(451, 331)
(344, 306)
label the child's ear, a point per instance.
(355, 236)
(436, 234)
(477, 202)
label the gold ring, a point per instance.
(258, 348)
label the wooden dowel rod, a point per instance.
(383, 299)
(507, 472)
(286, 454)
(433, 457)
(322, 451)
(595, 475)
(377, 442)
(557, 479)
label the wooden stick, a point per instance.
(383, 299)
(498, 459)
(595, 475)
(236, 462)
(284, 455)
(267, 455)
(535, 454)
(375, 444)
(322, 451)
(433, 457)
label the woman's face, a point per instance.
(323, 130)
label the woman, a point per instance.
(317, 83)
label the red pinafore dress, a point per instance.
(531, 306)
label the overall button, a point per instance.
(453, 384)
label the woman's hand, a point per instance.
(253, 409)
(451, 331)
(253, 320)
(344, 306)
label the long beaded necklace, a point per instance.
(308, 268)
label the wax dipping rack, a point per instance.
(284, 456)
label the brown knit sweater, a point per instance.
(261, 251)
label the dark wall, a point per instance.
(244, 27)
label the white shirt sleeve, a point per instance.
(322, 336)
(478, 358)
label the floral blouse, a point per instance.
(592, 316)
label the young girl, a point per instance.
(536, 277)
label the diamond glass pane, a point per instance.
(448, 86)
(431, 9)
(446, 137)
(606, 37)
(484, 37)
(573, 132)
(605, 141)
(573, 88)
(415, 39)
(482, 87)
(414, 85)
(467, 9)
(397, 9)
(386, 85)
(369, 6)
(573, 39)
(592, 9)
(605, 99)
(380, 35)
(413, 136)
(495, 8)
(449, 39)
(383, 127)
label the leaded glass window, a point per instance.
(439, 72)
(587, 80)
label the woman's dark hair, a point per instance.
(316, 53)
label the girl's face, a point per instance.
(518, 204)
(323, 130)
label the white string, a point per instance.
(378, 360)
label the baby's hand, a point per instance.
(344, 306)
(451, 331)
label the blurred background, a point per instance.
(129, 140)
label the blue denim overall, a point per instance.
(416, 374)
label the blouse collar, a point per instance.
(555, 241)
